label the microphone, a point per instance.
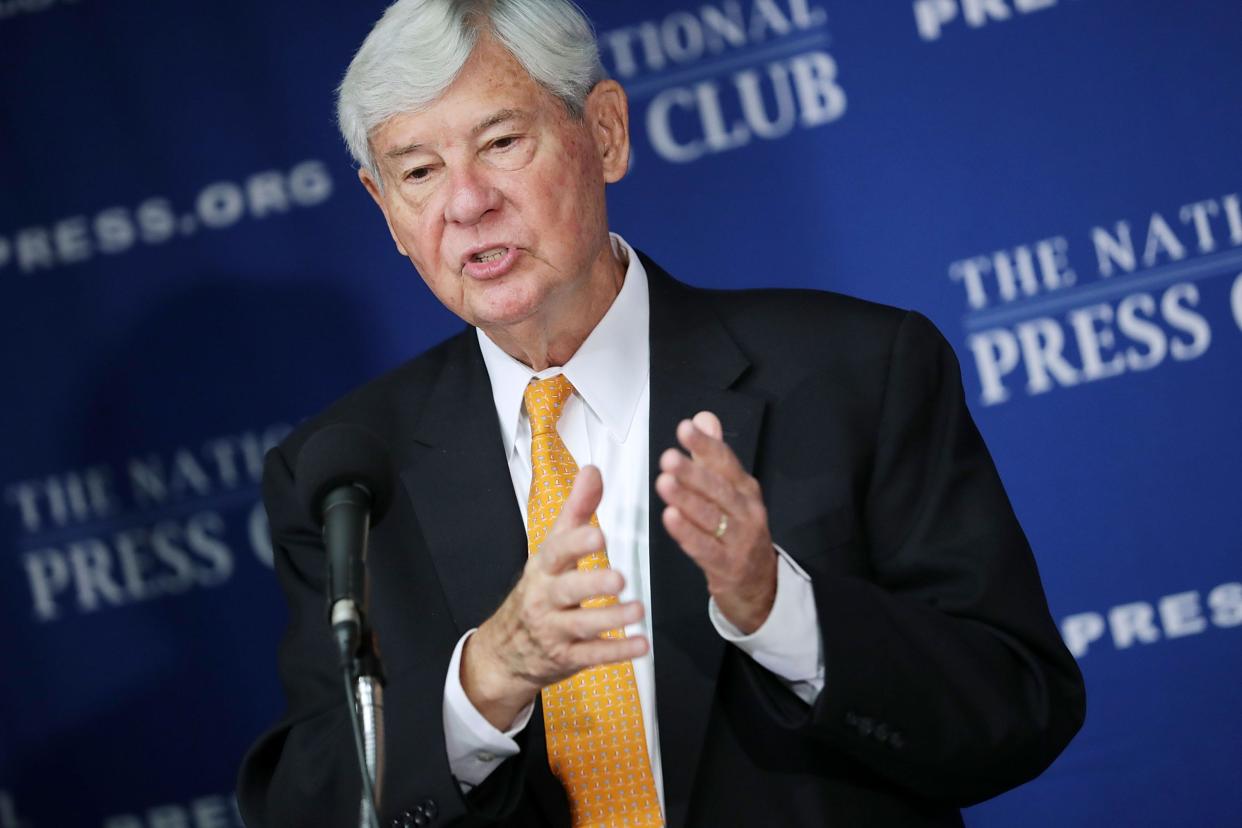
(345, 480)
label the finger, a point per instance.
(570, 589)
(561, 552)
(597, 651)
(702, 548)
(704, 513)
(583, 500)
(699, 477)
(711, 450)
(708, 423)
(592, 622)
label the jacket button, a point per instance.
(865, 726)
(424, 813)
(896, 741)
(406, 820)
(851, 718)
(881, 732)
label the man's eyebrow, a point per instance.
(498, 117)
(404, 150)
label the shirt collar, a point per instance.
(609, 370)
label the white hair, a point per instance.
(417, 48)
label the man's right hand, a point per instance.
(541, 634)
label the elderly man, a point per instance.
(831, 617)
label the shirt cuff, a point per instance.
(475, 747)
(788, 642)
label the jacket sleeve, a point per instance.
(304, 771)
(945, 673)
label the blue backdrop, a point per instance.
(189, 266)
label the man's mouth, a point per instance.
(493, 255)
(490, 263)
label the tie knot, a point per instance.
(544, 400)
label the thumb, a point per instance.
(709, 424)
(583, 500)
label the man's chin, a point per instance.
(503, 307)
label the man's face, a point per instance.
(496, 193)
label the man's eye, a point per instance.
(418, 174)
(505, 143)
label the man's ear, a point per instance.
(372, 187)
(608, 118)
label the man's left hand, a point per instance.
(715, 512)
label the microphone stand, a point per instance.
(368, 700)
(346, 524)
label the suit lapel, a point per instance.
(694, 364)
(458, 479)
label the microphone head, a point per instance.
(343, 454)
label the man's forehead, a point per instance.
(491, 88)
(407, 133)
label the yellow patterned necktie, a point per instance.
(597, 746)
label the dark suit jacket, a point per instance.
(947, 682)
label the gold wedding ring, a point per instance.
(722, 526)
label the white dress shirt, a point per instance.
(605, 424)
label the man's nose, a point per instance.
(472, 195)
